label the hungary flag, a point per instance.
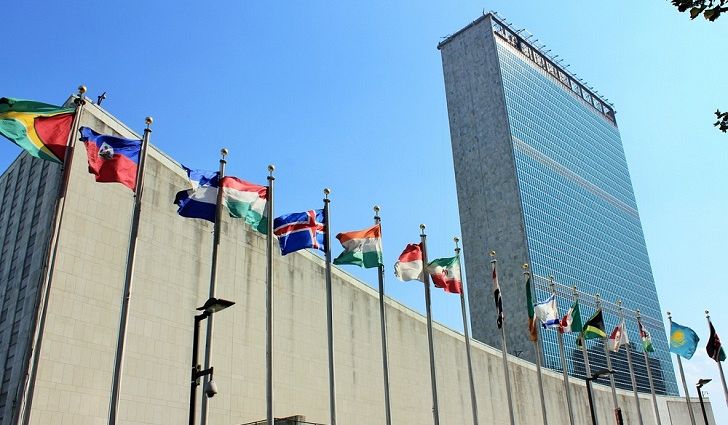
(445, 274)
(247, 201)
(362, 248)
(39, 128)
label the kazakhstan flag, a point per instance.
(683, 340)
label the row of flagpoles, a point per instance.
(114, 159)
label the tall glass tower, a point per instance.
(542, 179)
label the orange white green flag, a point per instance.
(39, 128)
(362, 248)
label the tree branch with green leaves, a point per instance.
(710, 9)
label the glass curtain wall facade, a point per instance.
(577, 208)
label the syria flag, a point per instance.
(111, 159)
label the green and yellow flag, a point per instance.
(39, 128)
(594, 327)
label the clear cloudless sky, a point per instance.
(350, 95)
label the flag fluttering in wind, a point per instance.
(571, 322)
(714, 347)
(532, 331)
(683, 340)
(646, 339)
(445, 273)
(594, 327)
(201, 200)
(247, 201)
(498, 298)
(39, 128)
(362, 248)
(618, 337)
(409, 266)
(111, 159)
(302, 230)
(547, 312)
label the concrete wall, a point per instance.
(172, 275)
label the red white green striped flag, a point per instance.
(247, 201)
(445, 274)
(362, 248)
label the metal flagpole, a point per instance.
(587, 367)
(682, 376)
(720, 366)
(537, 352)
(649, 375)
(269, 302)
(504, 351)
(213, 283)
(609, 362)
(383, 325)
(426, 281)
(564, 365)
(329, 308)
(473, 400)
(629, 363)
(43, 294)
(129, 277)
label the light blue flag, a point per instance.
(683, 340)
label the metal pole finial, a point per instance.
(669, 315)
(422, 229)
(457, 246)
(271, 169)
(376, 210)
(148, 121)
(81, 90)
(327, 192)
(224, 152)
(707, 314)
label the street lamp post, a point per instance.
(596, 375)
(213, 305)
(700, 397)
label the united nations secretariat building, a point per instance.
(57, 344)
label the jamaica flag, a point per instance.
(594, 327)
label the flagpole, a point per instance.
(383, 325)
(537, 351)
(269, 302)
(682, 376)
(428, 307)
(49, 263)
(617, 410)
(129, 277)
(720, 366)
(649, 375)
(564, 365)
(629, 363)
(587, 367)
(504, 351)
(329, 308)
(213, 282)
(473, 399)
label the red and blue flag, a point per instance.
(111, 159)
(300, 230)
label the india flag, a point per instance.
(247, 201)
(410, 266)
(361, 247)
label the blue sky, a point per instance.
(351, 96)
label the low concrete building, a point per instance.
(76, 358)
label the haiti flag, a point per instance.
(300, 230)
(111, 159)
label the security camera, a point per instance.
(210, 389)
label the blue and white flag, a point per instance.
(201, 200)
(300, 230)
(547, 312)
